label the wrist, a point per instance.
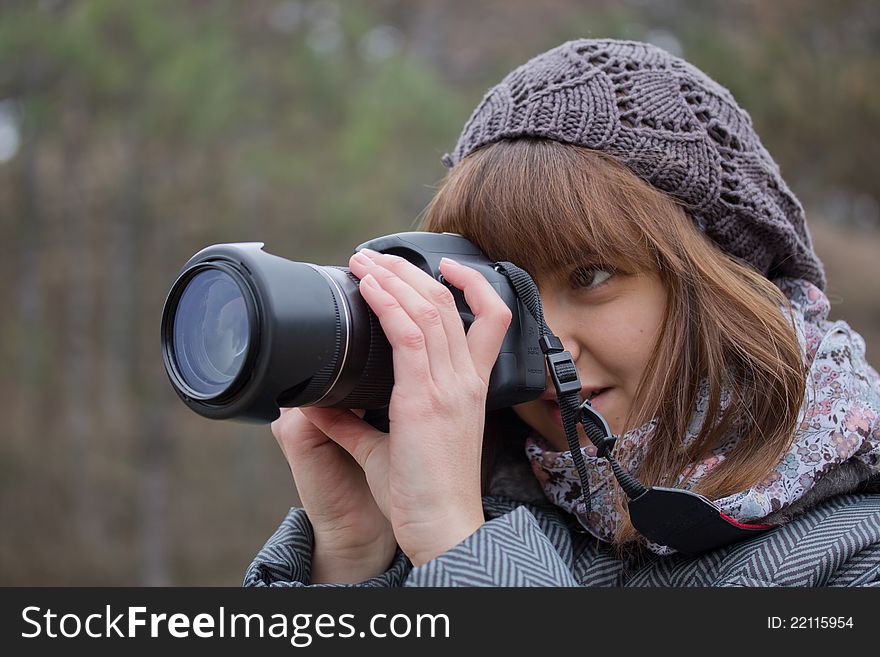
(334, 564)
(450, 531)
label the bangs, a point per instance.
(546, 206)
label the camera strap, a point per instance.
(674, 517)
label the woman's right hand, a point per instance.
(353, 539)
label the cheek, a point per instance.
(528, 412)
(629, 338)
(536, 416)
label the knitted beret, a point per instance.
(672, 126)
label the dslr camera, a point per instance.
(245, 332)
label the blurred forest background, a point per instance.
(132, 134)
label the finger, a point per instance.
(409, 346)
(492, 316)
(437, 294)
(286, 430)
(287, 409)
(341, 425)
(281, 421)
(423, 312)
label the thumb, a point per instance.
(344, 427)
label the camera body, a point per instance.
(245, 332)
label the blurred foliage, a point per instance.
(143, 131)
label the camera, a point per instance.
(245, 332)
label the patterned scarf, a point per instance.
(839, 424)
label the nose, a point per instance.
(562, 325)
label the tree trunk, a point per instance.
(80, 297)
(154, 444)
(31, 290)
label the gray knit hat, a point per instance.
(671, 125)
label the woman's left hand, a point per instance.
(425, 473)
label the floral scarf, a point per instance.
(838, 423)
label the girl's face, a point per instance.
(609, 323)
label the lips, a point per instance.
(586, 392)
(595, 393)
(597, 401)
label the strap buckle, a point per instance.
(564, 373)
(561, 366)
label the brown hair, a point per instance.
(546, 206)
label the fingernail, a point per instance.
(361, 258)
(369, 252)
(450, 261)
(370, 281)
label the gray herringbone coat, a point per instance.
(836, 543)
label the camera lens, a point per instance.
(245, 333)
(211, 332)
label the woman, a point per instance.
(675, 265)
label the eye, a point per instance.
(590, 277)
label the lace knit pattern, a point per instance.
(673, 126)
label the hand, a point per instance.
(425, 473)
(353, 539)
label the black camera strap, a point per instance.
(677, 518)
(561, 367)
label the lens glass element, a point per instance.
(211, 332)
